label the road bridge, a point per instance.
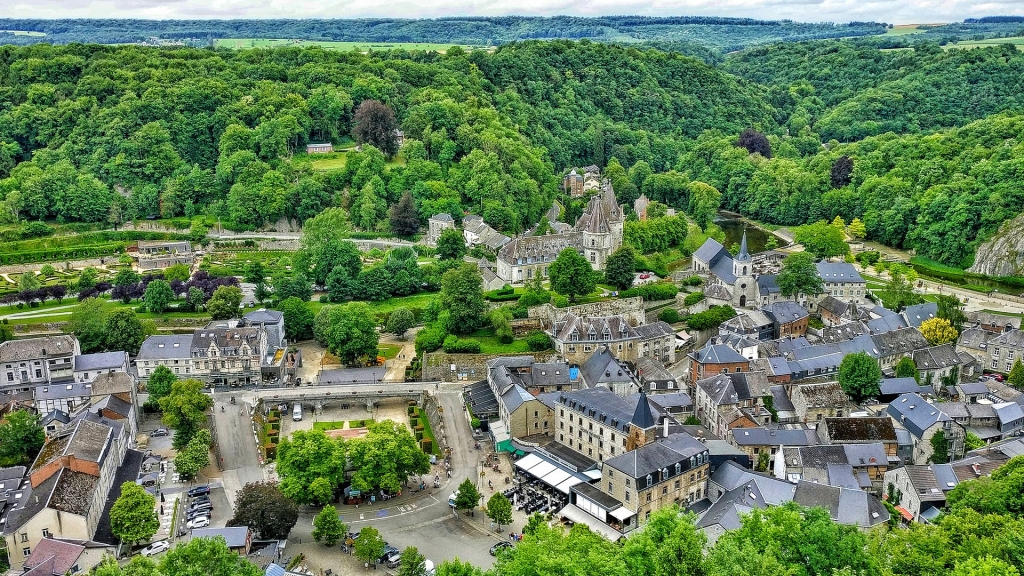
(368, 393)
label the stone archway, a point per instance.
(743, 300)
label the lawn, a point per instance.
(328, 425)
(337, 160)
(64, 313)
(904, 29)
(1017, 41)
(24, 32)
(489, 343)
(360, 46)
(389, 351)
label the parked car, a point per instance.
(388, 551)
(160, 432)
(201, 508)
(198, 522)
(155, 548)
(297, 412)
(198, 491)
(498, 547)
(394, 560)
(201, 499)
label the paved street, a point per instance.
(237, 443)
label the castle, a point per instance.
(596, 235)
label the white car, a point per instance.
(200, 522)
(156, 548)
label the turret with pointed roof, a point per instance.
(642, 426)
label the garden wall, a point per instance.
(468, 367)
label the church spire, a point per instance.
(743, 255)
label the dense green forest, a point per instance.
(721, 33)
(929, 140)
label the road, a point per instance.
(425, 522)
(237, 443)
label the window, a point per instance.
(692, 478)
(26, 551)
(648, 496)
(627, 496)
(664, 490)
(39, 373)
(628, 481)
(10, 376)
(46, 532)
(24, 536)
(677, 484)
(611, 488)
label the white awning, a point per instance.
(621, 513)
(577, 515)
(528, 461)
(593, 474)
(555, 477)
(542, 468)
(564, 486)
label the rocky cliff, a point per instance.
(1003, 254)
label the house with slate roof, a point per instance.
(437, 224)
(1004, 350)
(88, 366)
(723, 399)
(61, 557)
(859, 430)
(938, 364)
(515, 383)
(716, 359)
(604, 369)
(815, 402)
(916, 314)
(599, 424)
(752, 323)
(842, 281)
(770, 439)
(597, 234)
(991, 322)
(789, 319)
(735, 491)
(924, 420)
(33, 361)
(854, 466)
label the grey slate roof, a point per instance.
(1011, 338)
(607, 407)
(886, 324)
(915, 414)
(642, 417)
(718, 354)
(34, 348)
(263, 317)
(768, 285)
(733, 388)
(603, 368)
(654, 456)
(100, 361)
(785, 311)
(918, 313)
(838, 272)
(936, 357)
(899, 386)
(443, 217)
(763, 436)
(162, 347)
(841, 332)
(234, 536)
(709, 250)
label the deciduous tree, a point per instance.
(369, 546)
(194, 456)
(386, 457)
(206, 557)
(375, 124)
(133, 516)
(799, 275)
(124, 331)
(349, 331)
(184, 409)
(938, 331)
(755, 142)
(305, 457)
(88, 323)
(451, 245)
(620, 269)
(412, 563)
(462, 296)
(822, 239)
(264, 508)
(328, 529)
(571, 275)
(467, 497)
(400, 321)
(224, 303)
(21, 437)
(298, 319)
(499, 509)
(405, 219)
(158, 296)
(859, 375)
(906, 368)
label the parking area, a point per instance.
(219, 516)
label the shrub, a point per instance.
(710, 318)
(538, 341)
(670, 315)
(656, 291)
(427, 445)
(693, 281)
(561, 302)
(693, 298)
(456, 345)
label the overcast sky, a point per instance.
(892, 11)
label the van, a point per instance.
(297, 412)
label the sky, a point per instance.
(891, 11)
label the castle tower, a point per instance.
(642, 426)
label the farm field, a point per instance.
(23, 33)
(904, 29)
(360, 46)
(1017, 41)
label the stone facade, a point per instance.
(437, 224)
(468, 367)
(632, 309)
(596, 235)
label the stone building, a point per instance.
(815, 402)
(716, 359)
(599, 424)
(576, 338)
(924, 421)
(1005, 349)
(160, 254)
(723, 399)
(437, 224)
(33, 361)
(733, 276)
(597, 234)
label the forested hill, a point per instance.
(722, 33)
(862, 91)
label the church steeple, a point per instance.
(743, 255)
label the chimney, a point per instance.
(666, 427)
(977, 469)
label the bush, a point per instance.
(456, 345)
(561, 302)
(693, 281)
(538, 341)
(427, 445)
(670, 315)
(656, 291)
(430, 339)
(710, 318)
(693, 298)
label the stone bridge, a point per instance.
(368, 393)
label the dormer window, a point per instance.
(650, 480)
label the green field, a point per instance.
(1017, 41)
(904, 29)
(23, 32)
(360, 46)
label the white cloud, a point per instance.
(895, 11)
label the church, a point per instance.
(731, 279)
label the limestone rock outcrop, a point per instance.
(1003, 253)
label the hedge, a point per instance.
(656, 291)
(670, 315)
(456, 345)
(710, 318)
(693, 298)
